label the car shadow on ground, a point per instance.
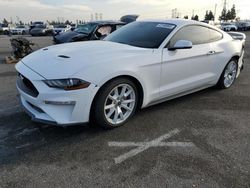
(19, 135)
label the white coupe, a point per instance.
(141, 64)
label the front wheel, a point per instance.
(229, 74)
(116, 103)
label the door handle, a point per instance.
(211, 53)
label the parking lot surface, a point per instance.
(199, 140)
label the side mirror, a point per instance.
(181, 44)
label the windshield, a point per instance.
(227, 24)
(142, 34)
(41, 26)
(38, 23)
(60, 26)
(21, 27)
(86, 28)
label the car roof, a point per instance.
(177, 22)
(180, 22)
(103, 22)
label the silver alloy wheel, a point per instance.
(230, 74)
(119, 104)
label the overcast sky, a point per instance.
(28, 10)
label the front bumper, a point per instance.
(54, 106)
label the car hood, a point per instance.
(68, 36)
(65, 60)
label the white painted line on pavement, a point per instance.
(142, 146)
(162, 144)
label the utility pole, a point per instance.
(215, 9)
(225, 5)
(100, 16)
(174, 12)
(96, 16)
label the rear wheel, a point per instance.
(116, 103)
(229, 74)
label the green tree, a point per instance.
(232, 13)
(209, 15)
(223, 16)
(186, 17)
(196, 17)
(5, 22)
(228, 15)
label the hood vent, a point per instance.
(64, 56)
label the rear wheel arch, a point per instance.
(220, 81)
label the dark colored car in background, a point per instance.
(35, 24)
(243, 26)
(41, 30)
(89, 31)
(96, 30)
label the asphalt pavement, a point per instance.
(200, 140)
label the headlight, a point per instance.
(67, 84)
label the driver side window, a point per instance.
(196, 34)
(103, 31)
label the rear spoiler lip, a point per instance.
(237, 35)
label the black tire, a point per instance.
(6, 32)
(221, 83)
(98, 112)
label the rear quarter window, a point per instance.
(215, 35)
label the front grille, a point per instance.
(26, 85)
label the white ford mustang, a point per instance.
(141, 64)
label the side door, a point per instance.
(184, 70)
(219, 57)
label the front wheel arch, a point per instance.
(133, 79)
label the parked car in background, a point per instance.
(1, 29)
(41, 30)
(218, 25)
(61, 28)
(129, 18)
(141, 64)
(96, 30)
(20, 30)
(35, 24)
(228, 27)
(91, 31)
(73, 27)
(5, 29)
(243, 26)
